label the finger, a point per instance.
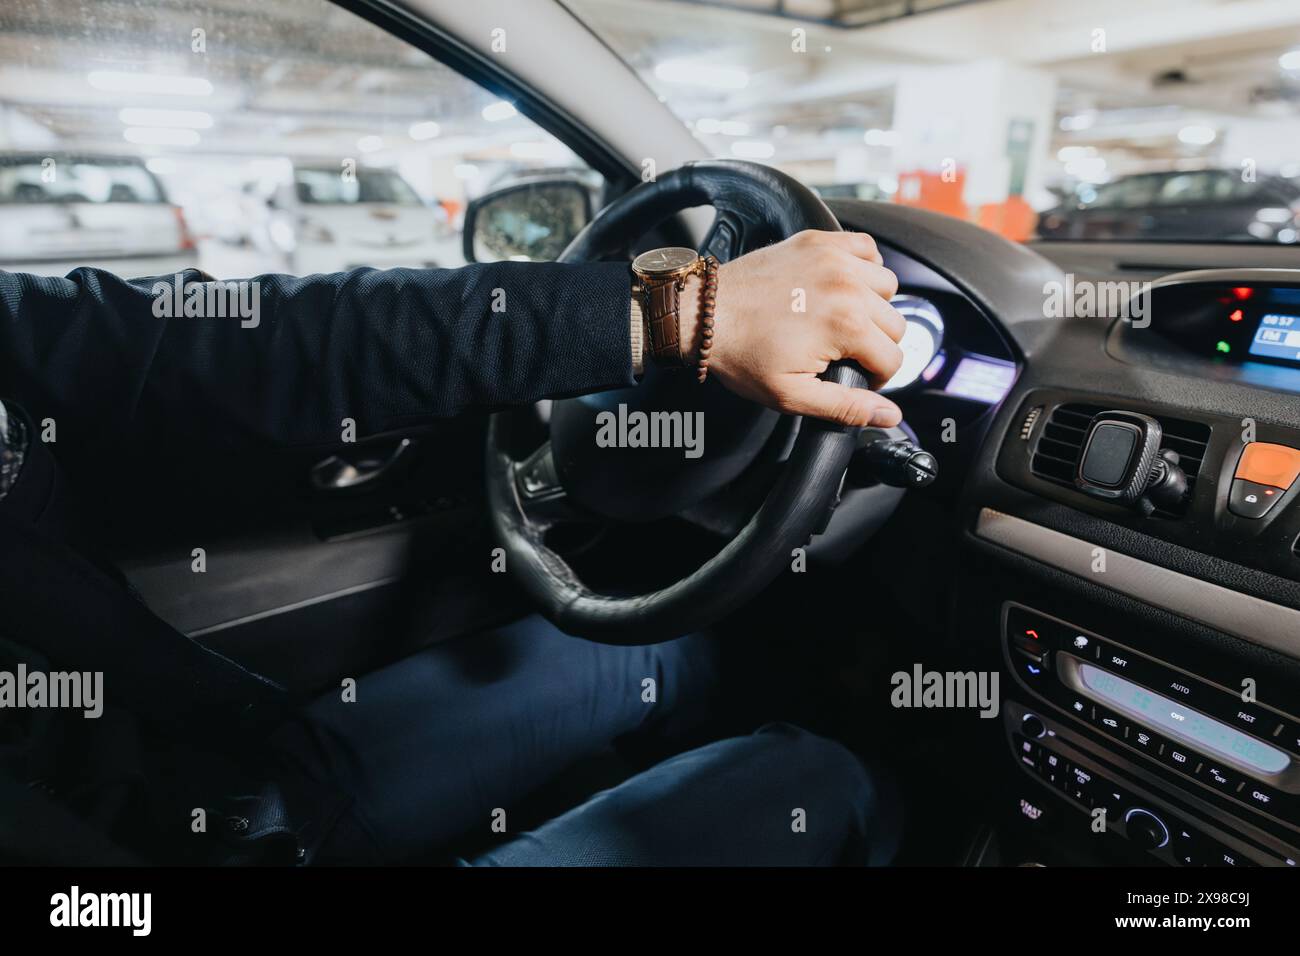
(888, 318)
(860, 245)
(839, 403)
(871, 347)
(876, 277)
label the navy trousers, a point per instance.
(445, 745)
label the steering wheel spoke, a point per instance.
(541, 495)
(732, 232)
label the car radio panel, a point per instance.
(1212, 743)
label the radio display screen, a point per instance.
(1277, 337)
(1160, 712)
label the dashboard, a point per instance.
(1232, 326)
(1150, 648)
(958, 369)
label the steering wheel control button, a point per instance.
(1264, 463)
(921, 469)
(1250, 499)
(892, 460)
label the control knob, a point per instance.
(1146, 829)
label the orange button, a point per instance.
(1275, 465)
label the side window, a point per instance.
(1185, 188)
(1131, 193)
(245, 137)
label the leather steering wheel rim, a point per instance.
(755, 204)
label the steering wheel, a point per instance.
(571, 474)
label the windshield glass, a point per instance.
(1107, 120)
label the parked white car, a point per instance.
(58, 212)
(324, 221)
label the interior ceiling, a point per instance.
(315, 78)
(1163, 61)
(843, 13)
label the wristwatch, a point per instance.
(659, 277)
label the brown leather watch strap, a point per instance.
(661, 305)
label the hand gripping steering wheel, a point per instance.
(571, 474)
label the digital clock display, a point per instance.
(1277, 337)
(1196, 729)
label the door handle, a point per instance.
(339, 474)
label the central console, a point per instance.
(1196, 772)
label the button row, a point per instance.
(1176, 756)
(1028, 632)
(1251, 719)
(1088, 788)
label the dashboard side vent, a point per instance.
(1056, 454)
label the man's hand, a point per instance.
(768, 351)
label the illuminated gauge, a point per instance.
(921, 341)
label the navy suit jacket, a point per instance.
(390, 349)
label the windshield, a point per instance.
(1160, 120)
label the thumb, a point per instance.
(839, 403)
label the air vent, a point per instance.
(1056, 455)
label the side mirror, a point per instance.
(529, 221)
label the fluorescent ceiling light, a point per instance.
(1071, 153)
(539, 150)
(709, 126)
(157, 136)
(1079, 121)
(115, 81)
(695, 73)
(175, 119)
(882, 137)
(370, 144)
(1197, 135)
(498, 111)
(426, 130)
(1290, 60)
(1091, 169)
(752, 149)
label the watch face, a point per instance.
(664, 261)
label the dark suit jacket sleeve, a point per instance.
(387, 349)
